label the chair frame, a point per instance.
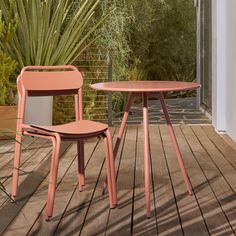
(55, 137)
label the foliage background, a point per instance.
(149, 39)
(163, 39)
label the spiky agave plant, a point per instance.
(49, 32)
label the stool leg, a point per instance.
(146, 154)
(175, 143)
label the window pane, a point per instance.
(205, 32)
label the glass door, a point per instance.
(204, 52)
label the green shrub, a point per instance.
(7, 64)
(7, 87)
(51, 32)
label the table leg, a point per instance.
(123, 123)
(174, 141)
(146, 154)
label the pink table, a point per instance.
(145, 88)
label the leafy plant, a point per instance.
(7, 67)
(51, 32)
(115, 35)
(163, 38)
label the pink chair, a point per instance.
(59, 80)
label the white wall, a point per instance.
(224, 66)
(231, 68)
(218, 64)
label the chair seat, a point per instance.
(77, 128)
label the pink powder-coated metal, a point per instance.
(175, 143)
(123, 123)
(59, 80)
(146, 88)
(146, 154)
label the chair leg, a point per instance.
(53, 176)
(112, 167)
(16, 166)
(81, 175)
(108, 168)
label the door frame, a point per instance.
(200, 48)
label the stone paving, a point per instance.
(181, 111)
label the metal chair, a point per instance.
(59, 80)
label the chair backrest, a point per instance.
(50, 80)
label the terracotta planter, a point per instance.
(8, 118)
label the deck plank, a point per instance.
(229, 141)
(33, 210)
(28, 164)
(141, 224)
(26, 189)
(226, 150)
(6, 146)
(7, 156)
(98, 212)
(67, 182)
(228, 171)
(190, 212)
(178, 187)
(77, 209)
(209, 159)
(119, 222)
(207, 201)
(7, 162)
(168, 222)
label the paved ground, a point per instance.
(181, 111)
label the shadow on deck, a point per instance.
(209, 159)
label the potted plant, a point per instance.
(50, 32)
(8, 109)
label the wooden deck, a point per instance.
(210, 160)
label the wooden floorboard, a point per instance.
(31, 148)
(120, 219)
(28, 184)
(190, 212)
(166, 212)
(80, 205)
(30, 219)
(210, 160)
(98, 211)
(215, 217)
(176, 180)
(140, 221)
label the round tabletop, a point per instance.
(145, 86)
